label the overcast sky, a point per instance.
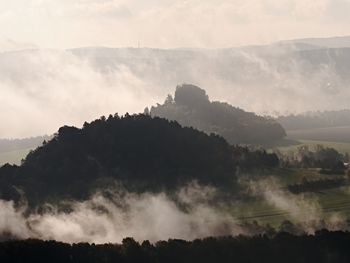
(168, 23)
(43, 90)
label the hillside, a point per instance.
(326, 42)
(191, 107)
(140, 152)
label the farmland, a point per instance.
(331, 134)
(328, 204)
(334, 202)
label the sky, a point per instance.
(44, 89)
(167, 23)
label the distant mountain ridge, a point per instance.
(327, 42)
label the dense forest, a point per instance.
(191, 107)
(312, 120)
(318, 185)
(143, 153)
(329, 160)
(324, 246)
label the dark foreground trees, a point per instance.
(322, 247)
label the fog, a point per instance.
(44, 84)
(299, 207)
(303, 209)
(192, 212)
(42, 90)
(142, 216)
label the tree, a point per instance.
(169, 100)
(146, 111)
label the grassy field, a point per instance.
(333, 202)
(330, 202)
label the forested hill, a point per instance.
(144, 153)
(191, 107)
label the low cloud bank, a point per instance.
(147, 216)
(193, 212)
(42, 90)
(303, 209)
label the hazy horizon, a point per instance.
(236, 57)
(169, 24)
(10, 45)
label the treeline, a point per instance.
(329, 160)
(317, 185)
(249, 159)
(191, 107)
(139, 151)
(322, 247)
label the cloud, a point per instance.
(299, 207)
(7, 45)
(51, 88)
(304, 210)
(218, 23)
(193, 212)
(48, 89)
(145, 217)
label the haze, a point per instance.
(47, 79)
(169, 24)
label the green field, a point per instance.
(330, 203)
